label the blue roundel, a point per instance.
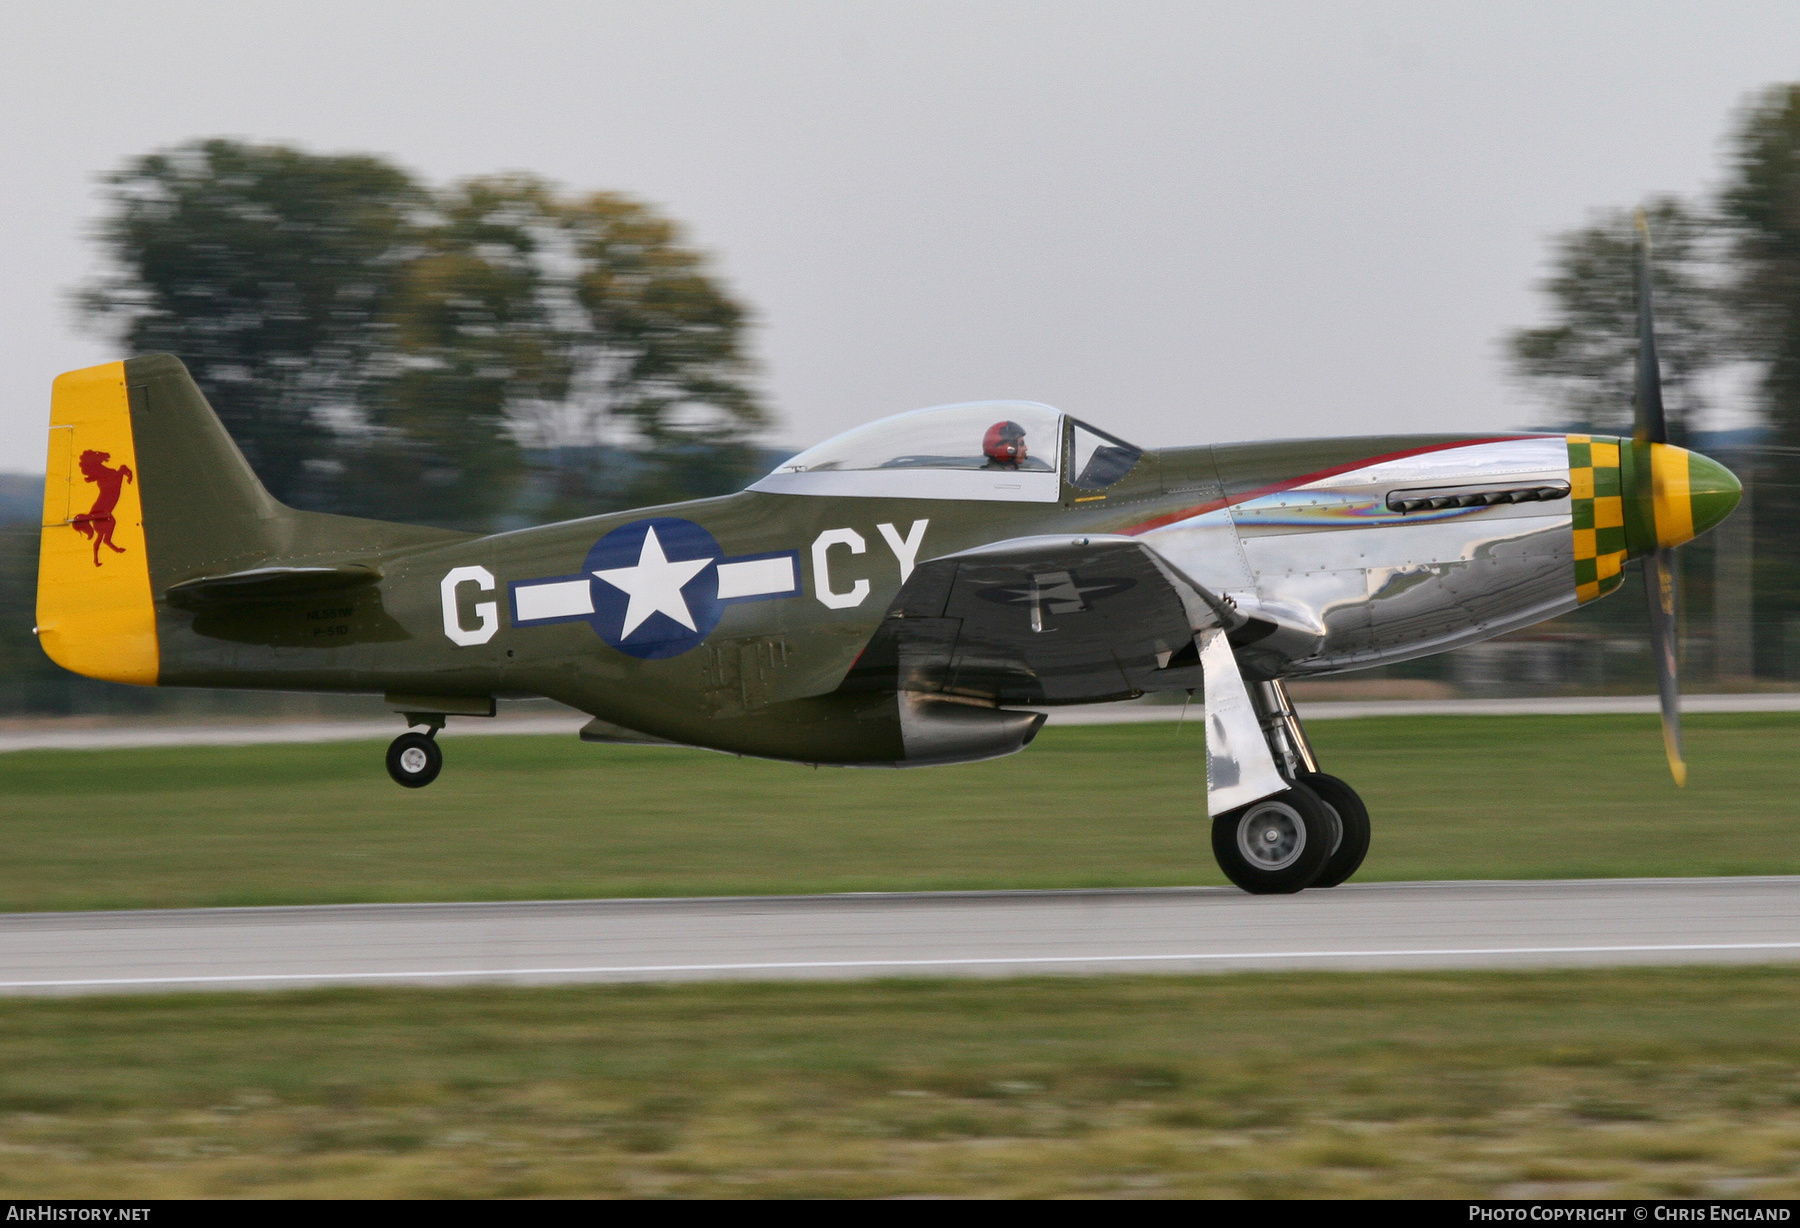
(655, 587)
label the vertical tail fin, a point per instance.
(206, 509)
(143, 489)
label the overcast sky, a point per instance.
(1186, 222)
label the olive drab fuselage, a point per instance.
(733, 622)
(764, 681)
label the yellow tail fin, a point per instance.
(95, 614)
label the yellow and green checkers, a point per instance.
(1629, 500)
(1597, 495)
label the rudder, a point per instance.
(95, 612)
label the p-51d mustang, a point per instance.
(901, 595)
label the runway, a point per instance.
(1181, 929)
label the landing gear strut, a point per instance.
(1314, 834)
(415, 759)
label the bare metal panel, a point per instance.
(1349, 581)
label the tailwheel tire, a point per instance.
(1277, 845)
(1352, 844)
(414, 760)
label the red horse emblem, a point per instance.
(97, 522)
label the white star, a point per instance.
(654, 585)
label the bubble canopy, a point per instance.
(1007, 451)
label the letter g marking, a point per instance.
(487, 613)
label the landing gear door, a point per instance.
(1239, 767)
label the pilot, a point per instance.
(1004, 445)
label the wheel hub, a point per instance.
(1271, 836)
(413, 760)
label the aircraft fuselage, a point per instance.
(1310, 538)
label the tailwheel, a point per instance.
(1352, 822)
(414, 759)
(1277, 845)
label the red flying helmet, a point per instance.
(1004, 444)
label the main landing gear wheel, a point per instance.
(1352, 844)
(414, 760)
(1277, 845)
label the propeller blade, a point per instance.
(1650, 427)
(1659, 586)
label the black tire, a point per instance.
(1352, 844)
(414, 760)
(1275, 846)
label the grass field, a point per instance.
(1649, 1082)
(540, 817)
(1580, 1083)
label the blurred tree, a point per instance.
(657, 352)
(381, 349)
(1728, 291)
(1582, 364)
(270, 272)
(1762, 202)
(473, 340)
(23, 665)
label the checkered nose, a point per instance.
(1630, 500)
(1597, 499)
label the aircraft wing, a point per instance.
(1044, 620)
(1064, 620)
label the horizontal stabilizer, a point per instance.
(269, 584)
